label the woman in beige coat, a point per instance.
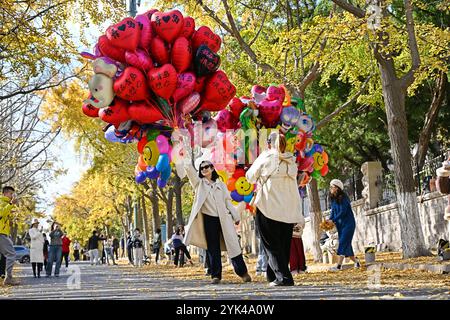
(278, 206)
(212, 219)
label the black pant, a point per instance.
(39, 268)
(76, 255)
(213, 232)
(156, 252)
(116, 252)
(130, 254)
(2, 265)
(276, 239)
(177, 253)
(65, 256)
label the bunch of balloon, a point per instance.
(239, 187)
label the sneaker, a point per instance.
(336, 268)
(246, 278)
(357, 264)
(215, 281)
(277, 283)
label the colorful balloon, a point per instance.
(125, 34)
(206, 61)
(168, 25)
(159, 51)
(163, 80)
(181, 54)
(131, 85)
(163, 144)
(185, 86)
(204, 35)
(139, 59)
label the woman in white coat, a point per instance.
(277, 206)
(36, 248)
(212, 219)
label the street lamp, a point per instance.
(132, 7)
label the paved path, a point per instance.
(125, 282)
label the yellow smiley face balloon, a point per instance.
(319, 160)
(290, 144)
(151, 153)
(243, 187)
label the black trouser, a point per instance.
(116, 252)
(39, 268)
(65, 256)
(76, 255)
(177, 253)
(2, 265)
(130, 254)
(276, 239)
(156, 252)
(213, 232)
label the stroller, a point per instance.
(146, 260)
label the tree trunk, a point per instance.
(177, 188)
(169, 214)
(156, 221)
(147, 231)
(413, 243)
(316, 219)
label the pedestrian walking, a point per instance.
(344, 220)
(212, 219)
(177, 241)
(65, 249)
(36, 248)
(138, 248)
(157, 242)
(122, 247)
(297, 260)
(109, 249)
(45, 250)
(261, 261)
(93, 247)
(115, 246)
(55, 250)
(7, 209)
(277, 206)
(76, 250)
(130, 248)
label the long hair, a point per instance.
(339, 196)
(53, 226)
(214, 175)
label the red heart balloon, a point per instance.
(188, 28)
(258, 89)
(90, 110)
(189, 103)
(199, 84)
(117, 112)
(131, 85)
(149, 15)
(163, 80)
(181, 54)
(159, 51)
(144, 112)
(206, 105)
(219, 89)
(236, 107)
(275, 93)
(125, 34)
(139, 59)
(167, 25)
(146, 31)
(185, 86)
(204, 35)
(225, 120)
(270, 112)
(108, 50)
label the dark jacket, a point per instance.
(93, 242)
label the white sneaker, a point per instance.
(336, 268)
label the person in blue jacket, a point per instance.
(342, 216)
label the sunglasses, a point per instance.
(206, 167)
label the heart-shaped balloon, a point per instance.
(207, 105)
(159, 51)
(270, 111)
(188, 27)
(168, 25)
(275, 93)
(163, 80)
(225, 120)
(258, 89)
(125, 34)
(204, 35)
(199, 84)
(236, 107)
(144, 112)
(131, 85)
(206, 61)
(139, 59)
(185, 86)
(107, 49)
(90, 110)
(189, 103)
(219, 89)
(181, 54)
(146, 31)
(116, 113)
